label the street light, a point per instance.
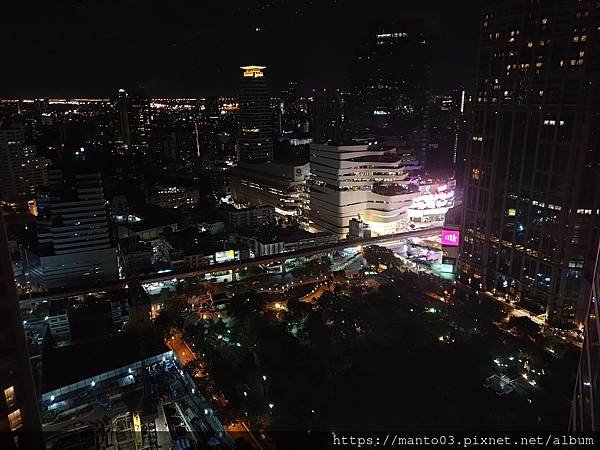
(271, 405)
(264, 378)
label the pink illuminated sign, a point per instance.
(451, 238)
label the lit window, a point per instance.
(15, 420)
(9, 396)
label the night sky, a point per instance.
(194, 47)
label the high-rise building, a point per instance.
(359, 181)
(585, 410)
(134, 120)
(255, 134)
(74, 245)
(326, 116)
(291, 115)
(532, 195)
(19, 415)
(21, 171)
(391, 82)
(447, 129)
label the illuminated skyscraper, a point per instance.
(585, 411)
(532, 189)
(291, 115)
(255, 135)
(20, 169)
(391, 90)
(124, 117)
(18, 402)
(447, 130)
(134, 120)
(326, 112)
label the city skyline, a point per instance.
(244, 225)
(176, 50)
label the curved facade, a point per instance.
(359, 181)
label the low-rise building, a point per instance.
(174, 197)
(189, 249)
(96, 314)
(136, 256)
(282, 240)
(147, 229)
(282, 186)
(212, 226)
(254, 216)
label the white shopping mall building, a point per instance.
(362, 181)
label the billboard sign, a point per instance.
(451, 238)
(225, 256)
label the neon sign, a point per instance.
(451, 238)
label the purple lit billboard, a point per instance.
(451, 238)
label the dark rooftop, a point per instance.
(69, 364)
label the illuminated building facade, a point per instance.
(74, 246)
(174, 197)
(19, 414)
(362, 181)
(292, 111)
(532, 197)
(585, 410)
(282, 186)
(20, 169)
(252, 217)
(391, 81)
(134, 120)
(255, 117)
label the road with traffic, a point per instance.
(390, 240)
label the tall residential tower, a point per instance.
(19, 414)
(532, 185)
(21, 171)
(585, 410)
